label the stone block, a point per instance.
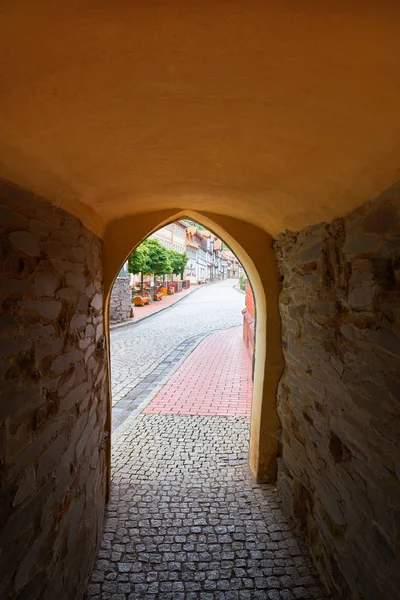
(17, 287)
(386, 339)
(25, 242)
(79, 253)
(13, 401)
(362, 244)
(76, 281)
(40, 228)
(69, 294)
(97, 302)
(48, 309)
(13, 346)
(63, 362)
(75, 396)
(350, 332)
(45, 284)
(361, 298)
(11, 220)
(51, 349)
(51, 456)
(78, 321)
(55, 249)
(26, 486)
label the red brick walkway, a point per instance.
(214, 380)
(149, 309)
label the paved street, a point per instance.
(137, 349)
(186, 521)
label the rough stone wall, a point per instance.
(120, 300)
(53, 406)
(338, 399)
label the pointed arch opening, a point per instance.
(253, 248)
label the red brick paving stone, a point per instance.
(215, 380)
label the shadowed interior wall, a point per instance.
(338, 399)
(54, 393)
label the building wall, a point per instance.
(179, 237)
(249, 301)
(248, 320)
(172, 237)
(191, 270)
(201, 264)
(54, 399)
(165, 236)
(338, 399)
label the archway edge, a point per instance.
(254, 248)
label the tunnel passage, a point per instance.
(272, 118)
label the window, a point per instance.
(179, 231)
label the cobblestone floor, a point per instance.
(186, 520)
(137, 349)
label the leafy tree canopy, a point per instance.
(150, 257)
(138, 260)
(159, 261)
(178, 262)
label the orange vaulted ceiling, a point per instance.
(281, 113)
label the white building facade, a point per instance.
(207, 261)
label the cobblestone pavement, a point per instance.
(186, 520)
(214, 380)
(137, 349)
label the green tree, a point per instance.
(178, 262)
(150, 258)
(138, 262)
(158, 257)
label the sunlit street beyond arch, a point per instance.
(137, 350)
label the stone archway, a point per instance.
(253, 247)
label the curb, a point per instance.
(237, 288)
(129, 323)
(120, 429)
(118, 326)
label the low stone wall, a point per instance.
(338, 399)
(53, 376)
(120, 300)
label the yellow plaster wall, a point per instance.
(253, 247)
(280, 113)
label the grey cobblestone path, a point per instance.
(186, 520)
(138, 349)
